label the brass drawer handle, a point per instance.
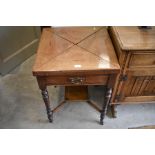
(76, 80)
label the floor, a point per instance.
(21, 106)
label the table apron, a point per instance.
(74, 80)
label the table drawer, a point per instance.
(142, 60)
(76, 80)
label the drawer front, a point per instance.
(142, 60)
(76, 80)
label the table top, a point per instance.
(75, 49)
(135, 38)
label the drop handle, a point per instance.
(76, 80)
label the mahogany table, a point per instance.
(76, 57)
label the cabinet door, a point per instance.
(137, 87)
(17, 43)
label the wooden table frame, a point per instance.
(76, 56)
(109, 91)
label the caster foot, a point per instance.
(50, 121)
(50, 115)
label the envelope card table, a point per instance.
(75, 57)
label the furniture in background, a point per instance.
(75, 57)
(135, 49)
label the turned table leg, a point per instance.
(45, 96)
(105, 106)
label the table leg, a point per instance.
(45, 96)
(105, 106)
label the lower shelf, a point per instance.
(76, 93)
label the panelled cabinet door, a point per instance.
(17, 43)
(137, 88)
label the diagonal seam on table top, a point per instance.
(60, 51)
(93, 52)
(68, 41)
(80, 40)
(89, 35)
(103, 60)
(97, 55)
(63, 51)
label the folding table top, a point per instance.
(75, 49)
